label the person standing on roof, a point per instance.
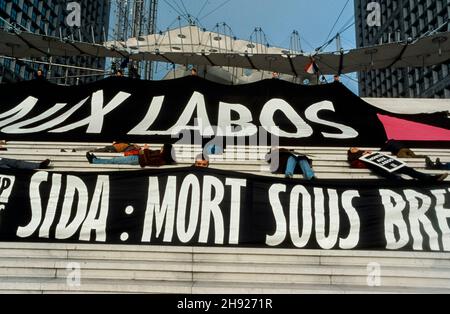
(119, 73)
(40, 75)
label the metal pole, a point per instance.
(50, 68)
(338, 42)
(67, 74)
(93, 35)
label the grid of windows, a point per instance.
(402, 19)
(48, 17)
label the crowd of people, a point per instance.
(282, 160)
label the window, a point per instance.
(23, 22)
(25, 8)
(13, 14)
(7, 64)
(3, 5)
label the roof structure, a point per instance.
(192, 45)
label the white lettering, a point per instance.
(99, 208)
(326, 242)
(280, 229)
(166, 212)
(18, 127)
(190, 183)
(36, 205)
(297, 240)
(312, 115)
(196, 103)
(150, 118)
(244, 120)
(51, 206)
(355, 225)
(268, 112)
(211, 207)
(95, 121)
(18, 112)
(235, 210)
(64, 229)
(417, 217)
(394, 205)
(443, 214)
(374, 17)
(73, 19)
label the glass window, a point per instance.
(25, 8)
(13, 14)
(3, 5)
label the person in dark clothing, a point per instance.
(119, 73)
(437, 164)
(117, 147)
(7, 163)
(289, 162)
(40, 75)
(353, 157)
(146, 157)
(399, 149)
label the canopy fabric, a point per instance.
(191, 45)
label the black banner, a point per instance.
(196, 207)
(155, 111)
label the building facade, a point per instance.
(49, 17)
(400, 20)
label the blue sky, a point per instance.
(278, 18)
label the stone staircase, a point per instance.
(49, 267)
(328, 162)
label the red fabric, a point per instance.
(151, 158)
(404, 130)
(132, 152)
(358, 164)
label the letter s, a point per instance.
(281, 229)
(312, 115)
(36, 205)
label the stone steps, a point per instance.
(45, 267)
(329, 162)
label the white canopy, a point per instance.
(192, 45)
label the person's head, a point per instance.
(202, 161)
(194, 72)
(121, 142)
(168, 154)
(353, 150)
(119, 73)
(337, 78)
(40, 74)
